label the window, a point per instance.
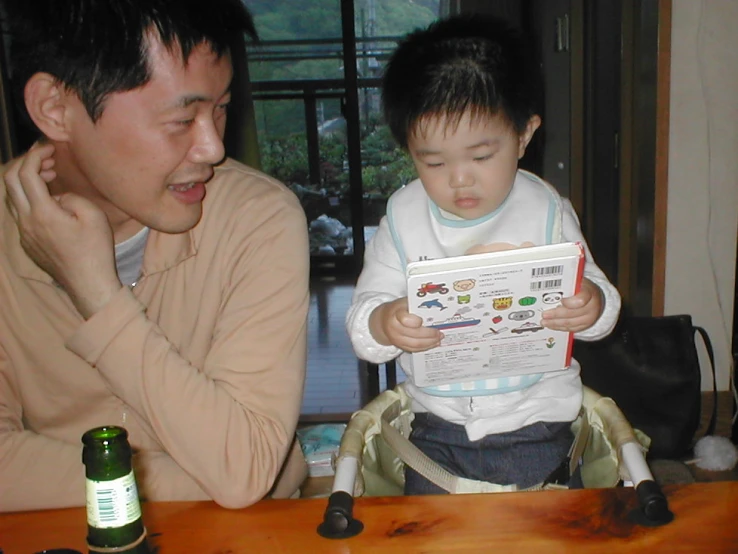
(319, 124)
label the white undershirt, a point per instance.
(129, 256)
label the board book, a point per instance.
(489, 307)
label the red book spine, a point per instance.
(577, 288)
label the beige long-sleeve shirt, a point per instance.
(203, 361)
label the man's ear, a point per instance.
(47, 104)
(530, 129)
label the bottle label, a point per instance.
(112, 503)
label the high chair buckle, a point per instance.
(560, 475)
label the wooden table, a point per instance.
(555, 521)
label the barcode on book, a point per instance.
(545, 285)
(548, 271)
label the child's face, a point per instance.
(468, 169)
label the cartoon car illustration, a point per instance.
(525, 327)
(432, 288)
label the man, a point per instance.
(144, 281)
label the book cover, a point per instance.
(489, 308)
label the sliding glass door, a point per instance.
(315, 80)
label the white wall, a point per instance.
(703, 171)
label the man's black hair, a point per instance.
(99, 47)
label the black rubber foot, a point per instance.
(338, 520)
(329, 531)
(653, 510)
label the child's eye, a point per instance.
(439, 164)
(483, 158)
(185, 122)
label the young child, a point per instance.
(460, 97)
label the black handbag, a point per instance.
(649, 366)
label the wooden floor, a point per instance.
(332, 385)
(336, 381)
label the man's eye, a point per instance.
(185, 122)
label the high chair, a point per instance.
(374, 450)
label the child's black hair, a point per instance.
(465, 63)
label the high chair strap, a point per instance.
(559, 477)
(412, 456)
(416, 459)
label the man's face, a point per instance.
(149, 155)
(468, 169)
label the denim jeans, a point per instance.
(524, 457)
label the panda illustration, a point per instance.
(552, 297)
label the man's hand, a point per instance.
(66, 236)
(392, 324)
(578, 312)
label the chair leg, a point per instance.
(372, 381)
(734, 426)
(390, 371)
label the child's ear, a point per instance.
(47, 103)
(530, 129)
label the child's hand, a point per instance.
(578, 312)
(392, 324)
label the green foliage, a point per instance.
(395, 18)
(385, 167)
(309, 19)
(296, 19)
(286, 159)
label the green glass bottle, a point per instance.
(114, 522)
